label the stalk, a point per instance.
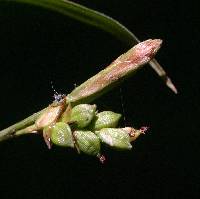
(124, 66)
(10, 131)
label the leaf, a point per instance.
(99, 20)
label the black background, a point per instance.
(38, 46)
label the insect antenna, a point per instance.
(58, 97)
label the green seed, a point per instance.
(82, 115)
(116, 138)
(105, 119)
(87, 142)
(61, 135)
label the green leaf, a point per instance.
(99, 20)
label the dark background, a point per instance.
(38, 46)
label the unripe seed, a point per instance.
(116, 138)
(82, 115)
(61, 135)
(87, 142)
(105, 119)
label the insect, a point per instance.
(58, 97)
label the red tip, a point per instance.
(102, 158)
(144, 129)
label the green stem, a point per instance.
(10, 131)
(26, 130)
(99, 20)
(121, 68)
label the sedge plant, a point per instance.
(72, 120)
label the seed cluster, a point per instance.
(84, 128)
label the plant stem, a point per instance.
(121, 68)
(10, 131)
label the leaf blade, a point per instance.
(99, 20)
